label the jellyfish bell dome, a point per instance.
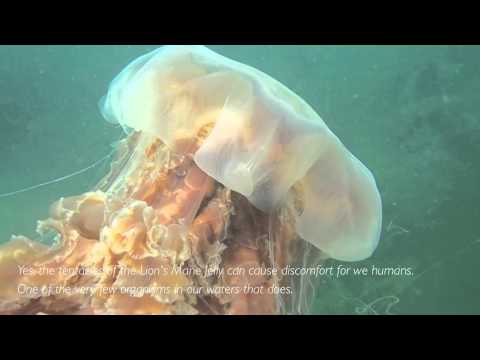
(263, 140)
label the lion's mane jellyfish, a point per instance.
(224, 179)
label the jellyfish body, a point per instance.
(263, 139)
(223, 168)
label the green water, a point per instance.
(410, 113)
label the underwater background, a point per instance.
(411, 114)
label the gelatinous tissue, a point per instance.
(224, 178)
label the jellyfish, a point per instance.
(224, 175)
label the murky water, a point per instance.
(410, 113)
